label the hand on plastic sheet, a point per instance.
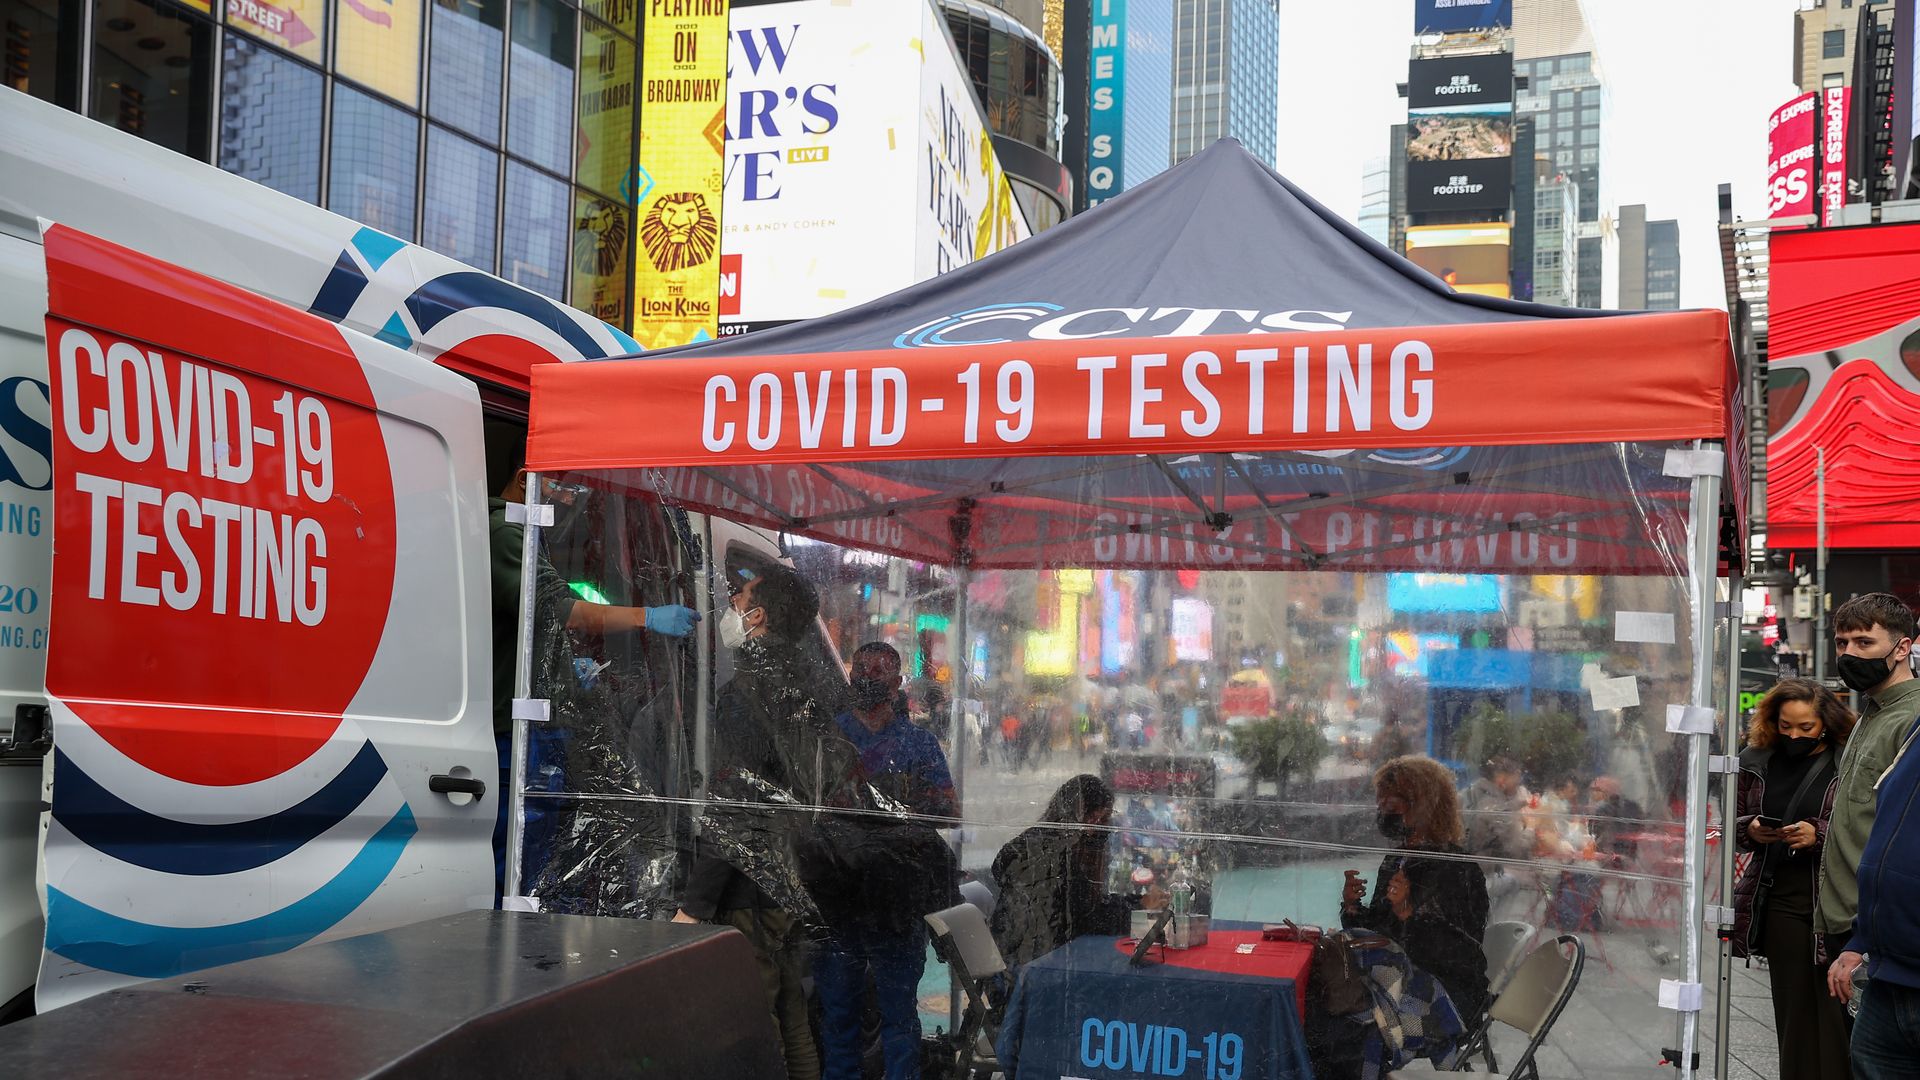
(672, 620)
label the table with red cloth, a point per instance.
(1209, 1013)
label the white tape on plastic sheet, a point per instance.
(1619, 693)
(537, 709)
(1680, 996)
(1691, 463)
(542, 514)
(1651, 627)
(1691, 720)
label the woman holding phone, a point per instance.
(1788, 775)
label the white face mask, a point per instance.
(733, 629)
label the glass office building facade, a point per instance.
(1226, 76)
(498, 132)
(1017, 77)
(1566, 102)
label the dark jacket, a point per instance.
(1052, 881)
(775, 755)
(1816, 807)
(1445, 935)
(1887, 927)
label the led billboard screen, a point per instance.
(1443, 593)
(1455, 16)
(1453, 81)
(1471, 258)
(1790, 157)
(1486, 184)
(858, 161)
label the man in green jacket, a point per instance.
(1873, 637)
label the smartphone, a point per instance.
(1766, 822)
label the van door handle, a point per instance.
(465, 785)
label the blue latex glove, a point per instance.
(672, 620)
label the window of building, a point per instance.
(41, 39)
(538, 223)
(463, 188)
(378, 46)
(298, 26)
(270, 108)
(1833, 44)
(375, 156)
(605, 147)
(463, 75)
(540, 106)
(153, 74)
(1589, 155)
(1590, 115)
(1832, 78)
(1577, 64)
(602, 239)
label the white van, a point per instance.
(249, 705)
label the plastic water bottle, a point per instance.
(1180, 893)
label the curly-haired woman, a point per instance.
(1428, 896)
(1788, 776)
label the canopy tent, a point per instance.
(1209, 372)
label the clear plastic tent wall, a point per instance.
(1236, 638)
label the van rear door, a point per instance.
(267, 660)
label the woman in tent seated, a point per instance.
(1052, 877)
(1428, 897)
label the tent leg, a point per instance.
(1729, 723)
(962, 687)
(1703, 535)
(522, 688)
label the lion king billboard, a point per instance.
(676, 279)
(858, 161)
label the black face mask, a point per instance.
(1392, 825)
(1796, 747)
(868, 693)
(1863, 673)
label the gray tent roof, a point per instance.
(1218, 231)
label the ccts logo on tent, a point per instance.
(1037, 320)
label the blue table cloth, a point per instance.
(1082, 1012)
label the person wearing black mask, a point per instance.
(903, 762)
(1429, 897)
(1788, 779)
(1873, 639)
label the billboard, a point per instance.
(857, 160)
(1485, 184)
(1844, 344)
(293, 25)
(1192, 629)
(1443, 593)
(1460, 133)
(1790, 157)
(1454, 81)
(1455, 16)
(1471, 258)
(1106, 101)
(676, 269)
(1834, 103)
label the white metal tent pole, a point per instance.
(1729, 787)
(962, 667)
(1820, 564)
(522, 686)
(1703, 534)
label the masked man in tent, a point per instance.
(774, 746)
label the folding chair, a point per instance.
(961, 939)
(1532, 1002)
(1504, 945)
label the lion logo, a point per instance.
(679, 231)
(600, 239)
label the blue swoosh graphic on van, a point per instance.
(83, 933)
(110, 825)
(451, 294)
